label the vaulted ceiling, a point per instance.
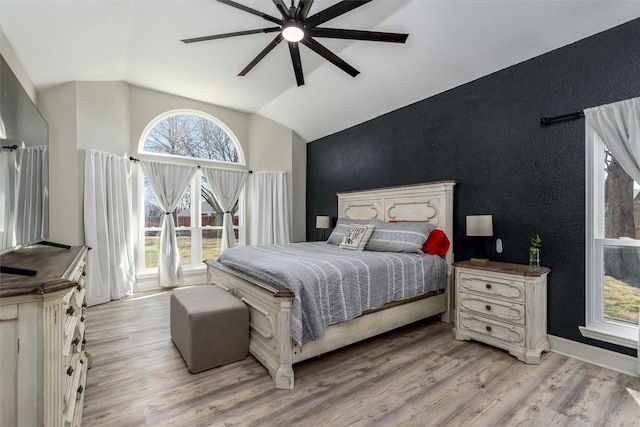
(450, 43)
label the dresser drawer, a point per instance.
(509, 334)
(74, 391)
(492, 286)
(489, 307)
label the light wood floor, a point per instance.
(416, 376)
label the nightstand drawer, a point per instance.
(500, 310)
(494, 329)
(492, 286)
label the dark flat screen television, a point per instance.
(24, 167)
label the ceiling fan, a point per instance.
(296, 27)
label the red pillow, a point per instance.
(437, 243)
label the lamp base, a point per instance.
(479, 260)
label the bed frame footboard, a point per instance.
(269, 320)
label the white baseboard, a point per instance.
(594, 355)
(149, 282)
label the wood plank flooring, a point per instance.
(416, 376)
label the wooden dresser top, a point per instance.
(505, 267)
(53, 266)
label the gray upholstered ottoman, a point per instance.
(209, 326)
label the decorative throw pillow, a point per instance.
(336, 236)
(437, 243)
(356, 237)
(398, 236)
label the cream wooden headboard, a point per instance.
(431, 202)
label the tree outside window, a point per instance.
(194, 136)
(621, 263)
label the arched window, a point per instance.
(191, 134)
(197, 138)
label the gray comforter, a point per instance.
(331, 284)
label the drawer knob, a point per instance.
(75, 341)
(80, 389)
(488, 328)
(488, 307)
(70, 310)
(69, 370)
(488, 285)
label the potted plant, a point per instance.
(534, 251)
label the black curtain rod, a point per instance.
(562, 118)
(10, 147)
(133, 159)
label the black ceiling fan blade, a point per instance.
(375, 36)
(329, 56)
(252, 11)
(334, 11)
(284, 10)
(261, 55)
(226, 35)
(297, 64)
(303, 9)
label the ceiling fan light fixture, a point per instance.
(293, 32)
(295, 26)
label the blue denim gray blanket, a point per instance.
(331, 284)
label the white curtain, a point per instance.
(5, 201)
(226, 186)
(108, 227)
(618, 125)
(168, 182)
(269, 208)
(32, 197)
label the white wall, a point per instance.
(299, 189)
(103, 117)
(59, 108)
(14, 63)
(111, 116)
(147, 104)
(276, 147)
(81, 115)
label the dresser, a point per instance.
(504, 305)
(42, 345)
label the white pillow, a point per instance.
(337, 235)
(356, 237)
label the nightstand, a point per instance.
(504, 305)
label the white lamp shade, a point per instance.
(479, 225)
(323, 221)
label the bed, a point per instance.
(270, 304)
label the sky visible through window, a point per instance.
(191, 135)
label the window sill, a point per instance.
(148, 280)
(625, 339)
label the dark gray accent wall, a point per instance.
(486, 135)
